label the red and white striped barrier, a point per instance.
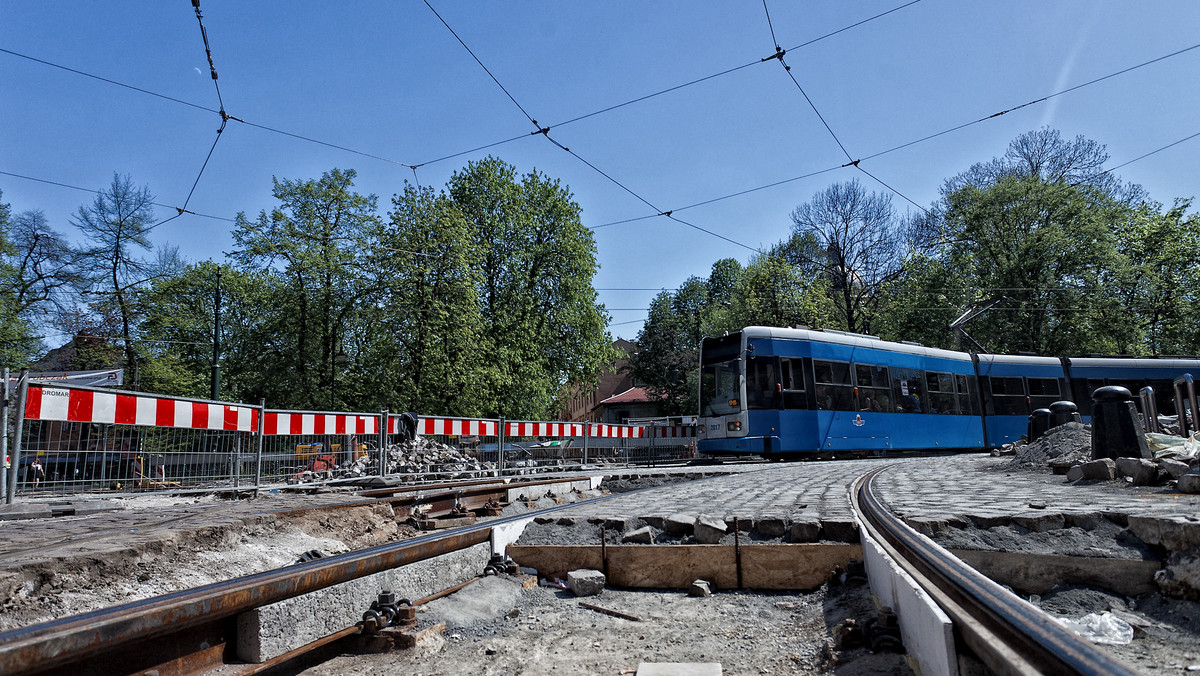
(90, 406)
(543, 429)
(616, 431)
(674, 432)
(280, 423)
(457, 427)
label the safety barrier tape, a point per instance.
(543, 429)
(90, 406)
(457, 427)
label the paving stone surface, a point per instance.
(965, 487)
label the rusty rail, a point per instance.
(75, 641)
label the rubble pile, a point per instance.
(423, 456)
(1067, 443)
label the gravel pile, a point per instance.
(1071, 442)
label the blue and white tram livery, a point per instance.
(780, 392)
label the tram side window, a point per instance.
(1043, 392)
(941, 392)
(906, 390)
(792, 379)
(1008, 396)
(762, 383)
(834, 390)
(874, 388)
(966, 394)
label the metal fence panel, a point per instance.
(77, 439)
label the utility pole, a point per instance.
(216, 363)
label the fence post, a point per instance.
(384, 419)
(22, 388)
(4, 435)
(586, 437)
(500, 447)
(262, 419)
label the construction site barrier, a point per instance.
(75, 438)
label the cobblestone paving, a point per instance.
(972, 485)
(936, 487)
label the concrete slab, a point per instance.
(273, 630)
(25, 510)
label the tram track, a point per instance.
(1006, 633)
(190, 631)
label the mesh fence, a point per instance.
(75, 439)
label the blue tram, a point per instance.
(779, 392)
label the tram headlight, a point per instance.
(734, 426)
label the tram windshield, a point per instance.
(720, 388)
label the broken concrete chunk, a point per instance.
(927, 525)
(709, 529)
(679, 524)
(1173, 467)
(990, 520)
(641, 536)
(620, 524)
(586, 582)
(654, 521)
(701, 588)
(1143, 472)
(1176, 533)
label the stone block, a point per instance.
(1039, 522)
(1103, 469)
(586, 582)
(990, 520)
(653, 521)
(1180, 578)
(641, 536)
(1173, 467)
(1188, 483)
(1075, 473)
(620, 524)
(709, 529)
(806, 529)
(25, 510)
(928, 526)
(771, 527)
(840, 530)
(1172, 532)
(1084, 520)
(1143, 472)
(679, 524)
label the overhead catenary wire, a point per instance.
(545, 131)
(97, 192)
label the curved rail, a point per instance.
(70, 641)
(1010, 635)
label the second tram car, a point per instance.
(781, 392)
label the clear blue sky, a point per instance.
(388, 79)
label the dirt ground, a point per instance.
(497, 627)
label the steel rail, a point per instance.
(1010, 635)
(70, 641)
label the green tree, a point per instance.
(1160, 286)
(543, 326)
(313, 244)
(425, 349)
(1049, 248)
(115, 226)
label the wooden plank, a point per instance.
(782, 566)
